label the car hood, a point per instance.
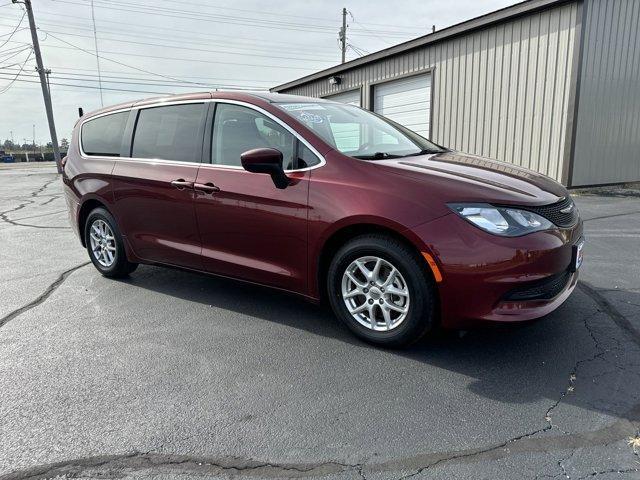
(454, 176)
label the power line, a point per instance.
(10, 67)
(95, 39)
(138, 26)
(278, 14)
(15, 78)
(259, 46)
(180, 59)
(90, 87)
(364, 28)
(125, 64)
(107, 78)
(15, 29)
(184, 48)
(121, 89)
(227, 19)
(358, 51)
(10, 34)
(155, 84)
(15, 53)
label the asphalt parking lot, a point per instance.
(172, 374)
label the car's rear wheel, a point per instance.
(379, 287)
(105, 246)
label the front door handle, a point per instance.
(206, 187)
(181, 184)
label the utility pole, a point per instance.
(43, 82)
(342, 35)
(34, 140)
(47, 71)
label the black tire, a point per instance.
(420, 317)
(120, 267)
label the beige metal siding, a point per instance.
(500, 92)
(607, 141)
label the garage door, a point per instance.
(346, 135)
(406, 101)
(352, 97)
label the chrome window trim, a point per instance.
(322, 160)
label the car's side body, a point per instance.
(284, 238)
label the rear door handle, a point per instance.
(181, 184)
(206, 187)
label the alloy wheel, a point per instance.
(375, 293)
(103, 243)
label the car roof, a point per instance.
(274, 97)
(245, 95)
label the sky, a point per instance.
(151, 47)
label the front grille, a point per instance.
(554, 212)
(544, 289)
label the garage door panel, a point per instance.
(408, 109)
(406, 101)
(391, 100)
(352, 97)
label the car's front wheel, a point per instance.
(379, 287)
(105, 245)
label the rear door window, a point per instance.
(173, 132)
(103, 135)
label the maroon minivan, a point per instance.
(325, 200)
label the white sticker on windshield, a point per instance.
(310, 117)
(301, 106)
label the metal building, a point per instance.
(552, 85)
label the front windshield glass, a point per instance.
(357, 132)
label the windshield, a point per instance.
(357, 132)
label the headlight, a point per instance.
(507, 222)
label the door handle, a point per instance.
(181, 184)
(206, 187)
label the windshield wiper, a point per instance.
(423, 152)
(377, 156)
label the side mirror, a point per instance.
(266, 160)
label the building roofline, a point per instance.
(497, 16)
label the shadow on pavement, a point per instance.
(576, 354)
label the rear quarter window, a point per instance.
(103, 136)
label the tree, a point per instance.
(64, 144)
(8, 145)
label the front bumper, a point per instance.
(487, 278)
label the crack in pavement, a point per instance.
(53, 197)
(527, 444)
(613, 470)
(611, 311)
(43, 296)
(180, 464)
(4, 218)
(56, 212)
(4, 215)
(610, 216)
(190, 464)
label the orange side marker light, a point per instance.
(434, 267)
